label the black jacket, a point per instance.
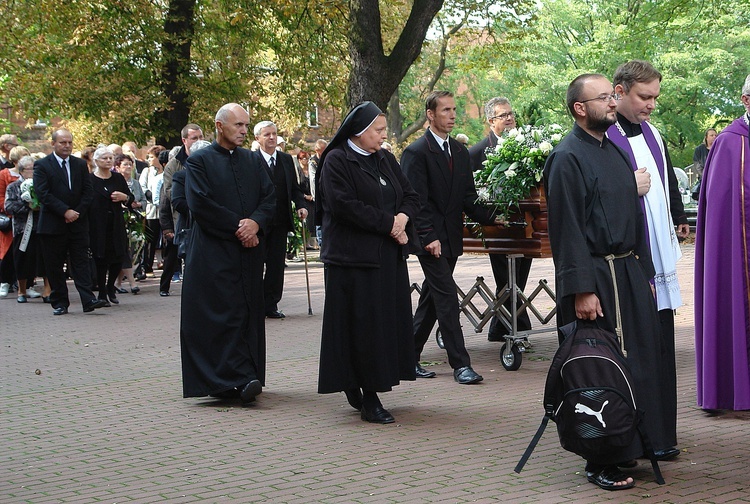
(354, 222)
(444, 195)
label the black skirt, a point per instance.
(367, 339)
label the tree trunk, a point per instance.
(375, 76)
(179, 27)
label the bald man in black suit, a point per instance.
(63, 186)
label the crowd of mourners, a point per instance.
(616, 218)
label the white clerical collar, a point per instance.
(441, 141)
(268, 157)
(357, 148)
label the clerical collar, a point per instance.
(746, 117)
(356, 148)
(628, 128)
(587, 137)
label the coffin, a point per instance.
(525, 234)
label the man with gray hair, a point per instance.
(501, 117)
(722, 270)
(280, 167)
(231, 200)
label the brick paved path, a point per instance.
(104, 421)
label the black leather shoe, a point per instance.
(354, 397)
(113, 297)
(94, 304)
(63, 310)
(378, 414)
(423, 373)
(120, 290)
(46, 299)
(250, 391)
(466, 375)
(275, 314)
(667, 454)
(227, 394)
(106, 303)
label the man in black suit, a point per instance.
(280, 166)
(438, 168)
(501, 117)
(63, 186)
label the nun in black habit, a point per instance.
(365, 206)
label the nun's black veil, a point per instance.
(356, 121)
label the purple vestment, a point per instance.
(722, 241)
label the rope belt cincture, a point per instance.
(618, 327)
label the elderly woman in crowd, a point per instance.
(124, 166)
(7, 263)
(27, 256)
(365, 204)
(151, 179)
(107, 234)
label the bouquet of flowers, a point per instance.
(28, 194)
(515, 165)
(135, 229)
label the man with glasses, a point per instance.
(501, 117)
(638, 85)
(594, 211)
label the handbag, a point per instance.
(5, 223)
(182, 240)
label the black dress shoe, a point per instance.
(106, 303)
(112, 297)
(466, 375)
(354, 397)
(275, 314)
(60, 311)
(94, 304)
(232, 393)
(250, 391)
(667, 454)
(46, 299)
(135, 290)
(120, 290)
(423, 373)
(378, 414)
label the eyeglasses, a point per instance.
(505, 116)
(605, 98)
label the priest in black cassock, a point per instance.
(222, 332)
(594, 211)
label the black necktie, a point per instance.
(272, 164)
(65, 172)
(447, 152)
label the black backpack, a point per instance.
(590, 397)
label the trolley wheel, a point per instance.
(512, 361)
(439, 339)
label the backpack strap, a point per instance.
(618, 327)
(532, 444)
(649, 450)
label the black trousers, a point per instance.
(499, 263)
(171, 262)
(55, 249)
(273, 278)
(439, 302)
(668, 379)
